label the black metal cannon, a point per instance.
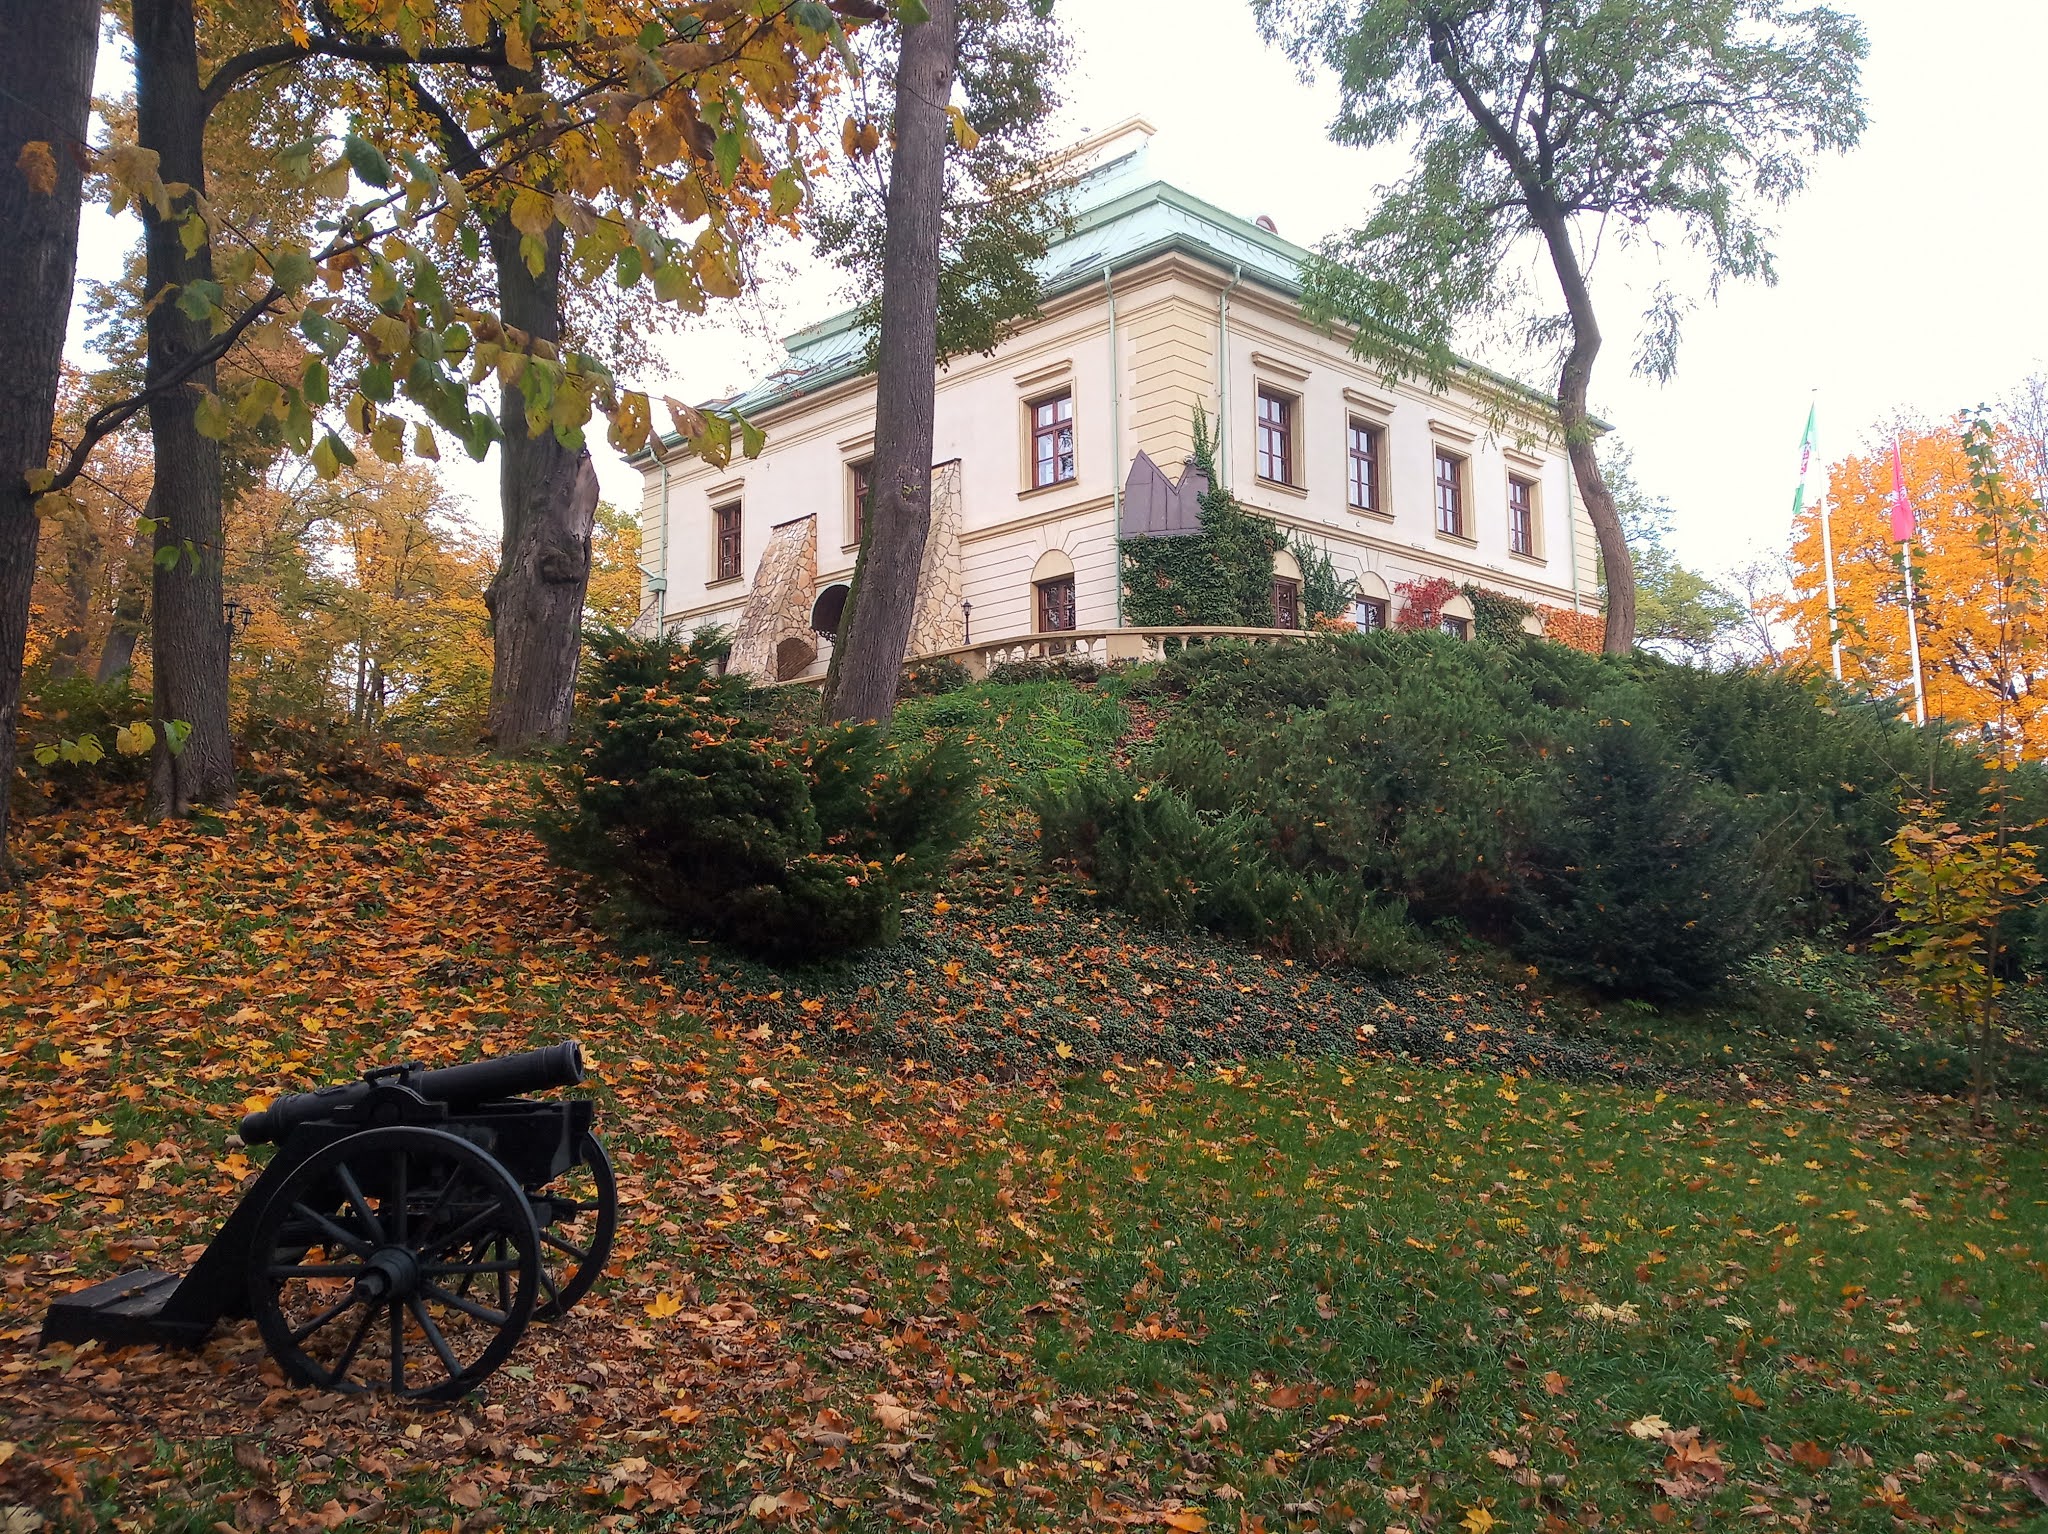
(404, 1233)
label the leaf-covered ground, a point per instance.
(1033, 1222)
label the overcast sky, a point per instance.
(1911, 271)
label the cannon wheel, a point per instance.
(577, 1214)
(402, 1259)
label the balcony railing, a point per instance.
(1105, 647)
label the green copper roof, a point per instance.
(1122, 223)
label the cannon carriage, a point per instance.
(406, 1230)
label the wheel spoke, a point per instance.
(467, 1306)
(301, 1333)
(359, 1201)
(335, 1232)
(580, 1253)
(348, 1354)
(397, 1349)
(547, 1281)
(446, 1269)
(315, 1269)
(461, 1233)
(400, 1163)
(419, 1311)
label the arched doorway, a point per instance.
(793, 658)
(828, 610)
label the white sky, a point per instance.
(1911, 272)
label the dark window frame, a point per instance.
(1450, 493)
(1456, 627)
(1286, 602)
(1052, 599)
(1522, 516)
(1362, 465)
(860, 490)
(1378, 607)
(1276, 429)
(728, 532)
(1044, 431)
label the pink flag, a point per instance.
(1903, 524)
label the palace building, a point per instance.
(1076, 432)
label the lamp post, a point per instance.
(234, 617)
(966, 623)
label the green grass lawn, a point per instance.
(890, 1286)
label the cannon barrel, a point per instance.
(538, 1070)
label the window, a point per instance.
(1521, 515)
(1369, 613)
(1286, 603)
(1450, 494)
(1363, 484)
(857, 520)
(1055, 604)
(1457, 628)
(1052, 441)
(1276, 437)
(726, 521)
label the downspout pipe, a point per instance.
(1223, 375)
(657, 578)
(1116, 448)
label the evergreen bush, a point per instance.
(794, 845)
(1642, 877)
(1634, 823)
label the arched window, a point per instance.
(1372, 605)
(1286, 591)
(1456, 616)
(1052, 593)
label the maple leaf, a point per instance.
(38, 167)
(1648, 1427)
(664, 1305)
(1477, 1520)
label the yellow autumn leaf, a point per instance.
(97, 1128)
(963, 131)
(664, 1305)
(1477, 1520)
(532, 212)
(38, 167)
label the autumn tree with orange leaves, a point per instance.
(1983, 639)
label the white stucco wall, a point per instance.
(1167, 340)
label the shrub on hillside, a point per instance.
(1152, 853)
(794, 845)
(1644, 877)
(68, 728)
(1475, 782)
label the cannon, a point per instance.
(405, 1231)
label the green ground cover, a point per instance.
(1039, 1219)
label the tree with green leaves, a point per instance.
(942, 231)
(356, 310)
(1557, 123)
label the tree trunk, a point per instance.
(81, 572)
(867, 664)
(548, 493)
(1572, 384)
(189, 640)
(48, 48)
(130, 605)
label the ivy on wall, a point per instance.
(1496, 616)
(1223, 575)
(1419, 604)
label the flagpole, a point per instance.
(1913, 635)
(1807, 445)
(1827, 556)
